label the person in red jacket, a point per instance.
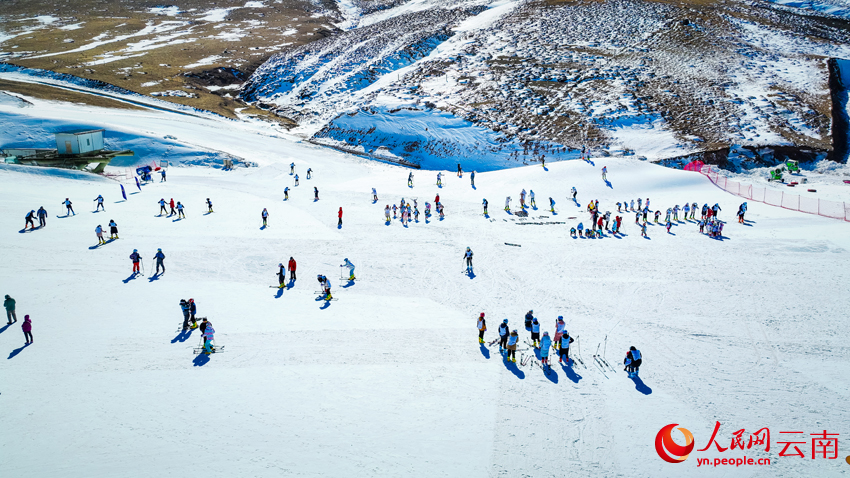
(599, 223)
(291, 269)
(173, 212)
(340, 218)
(437, 199)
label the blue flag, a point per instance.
(137, 184)
(122, 192)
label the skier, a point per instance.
(173, 212)
(535, 332)
(693, 209)
(607, 218)
(529, 317)
(9, 305)
(551, 205)
(512, 341)
(439, 179)
(387, 213)
(281, 275)
(339, 224)
(560, 327)
(265, 216)
(485, 206)
(715, 209)
(209, 336)
(113, 229)
(503, 336)
(395, 211)
(472, 178)
(209, 205)
(604, 173)
(410, 179)
(564, 346)
(162, 173)
(296, 180)
(162, 209)
(68, 208)
(291, 169)
(633, 361)
(508, 203)
(184, 306)
(309, 173)
(416, 214)
(99, 231)
(468, 257)
(42, 217)
(643, 230)
(639, 202)
(180, 210)
(531, 198)
(574, 192)
(522, 199)
(676, 213)
(427, 209)
(632, 207)
(657, 214)
(286, 193)
(136, 258)
(482, 327)
(350, 266)
(193, 309)
(27, 328)
(686, 209)
(459, 171)
(374, 195)
(742, 209)
(292, 266)
(669, 225)
(99, 206)
(580, 229)
(441, 209)
(159, 256)
(437, 199)
(30, 218)
(545, 343)
(315, 193)
(619, 207)
(327, 285)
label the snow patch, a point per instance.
(204, 61)
(170, 10)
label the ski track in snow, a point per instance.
(389, 379)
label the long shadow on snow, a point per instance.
(326, 305)
(514, 369)
(154, 277)
(5, 327)
(484, 351)
(201, 359)
(550, 374)
(132, 276)
(17, 351)
(182, 336)
(640, 386)
(279, 293)
(571, 374)
(348, 284)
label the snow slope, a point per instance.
(389, 379)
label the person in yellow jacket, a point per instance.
(482, 326)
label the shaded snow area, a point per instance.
(430, 139)
(839, 8)
(19, 131)
(389, 380)
(656, 79)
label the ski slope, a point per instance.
(389, 379)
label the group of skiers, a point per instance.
(281, 272)
(175, 208)
(159, 258)
(113, 232)
(41, 214)
(544, 344)
(407, 211)
(11, 317)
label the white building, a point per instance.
(79, 141)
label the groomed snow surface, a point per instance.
(389, 380)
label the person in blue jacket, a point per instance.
(159, 256)
(535, 332)
(545, 344)
(350, 267)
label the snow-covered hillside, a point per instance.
(389, 379)
(659, 79)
